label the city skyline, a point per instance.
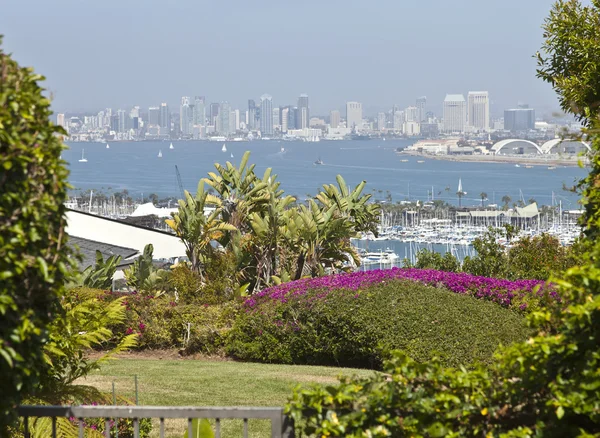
(378, 56)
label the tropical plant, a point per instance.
(33, 254)
(198, 226)
(143, 275)
(98, 276)
(506, 200)
(351, 204)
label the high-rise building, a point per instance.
(398, 120)
(478, 110)
(165, 119)
(154, 115)
(185, 114)
(334, 119)
(519, 119)
(251, 122)
(455, 113)
(276, 119)
(303, 112)
(122, 115)
(411, 114)
(380, 121)
(266, 114)
(60, 120)
(421, 104)
(222, 121)
(214, 112)
(292, 117)
(353, 115)
(285, 113)
(236, 118)
(199, 113)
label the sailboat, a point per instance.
(107, 146)
(231, 155)
(159, 154)
(171, 146)
(224, 148)
(283, 150)
(319, 162)
(83, 159)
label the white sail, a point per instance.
(159, 154)
(231, 155)
(459, 185)
(171, 147)
(83, 159)
(107, 146)
(224, 148)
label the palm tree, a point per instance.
(506, 200)
(197, 230)
(483, 196)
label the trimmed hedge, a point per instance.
(346, 327)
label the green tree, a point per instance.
(33, 255)
(196, 229)
(506, 200)
(483, 196)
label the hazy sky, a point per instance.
(119, 53)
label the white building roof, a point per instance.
(113, 232)
(149, 208)
(454, 98)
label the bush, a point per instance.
(162, 323)
(32, 222)
(345, 327)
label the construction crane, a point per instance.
(179, 182)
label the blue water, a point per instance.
(134, 166)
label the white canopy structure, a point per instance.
(568, 147)
(516, 147)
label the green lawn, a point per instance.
(210, 383)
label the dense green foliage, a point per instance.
(160, 322)
(353, 328)
(32, 239)
(547, 386)
(535, 258)
(98, 276)
(271, 238)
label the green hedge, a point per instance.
(348, 328)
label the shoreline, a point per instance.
(533, 161)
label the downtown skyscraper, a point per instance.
(303, 114)
(266, 115)
(455, 113)
(478, 110)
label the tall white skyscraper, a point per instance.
(478, 110)
(266, 114)
(199, 113)
(353, 115)
(421, 103)
(285, 113)
(380, 121)
(334, 119)
(185, 116)
(455, 113)
(412, 114)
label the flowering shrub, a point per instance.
(504, 292)
(351, 320)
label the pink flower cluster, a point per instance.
(493, 289)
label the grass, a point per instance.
(210, 383)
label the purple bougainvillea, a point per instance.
(497, 290)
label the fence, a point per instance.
(281, 425)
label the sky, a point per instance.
(120, 53)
